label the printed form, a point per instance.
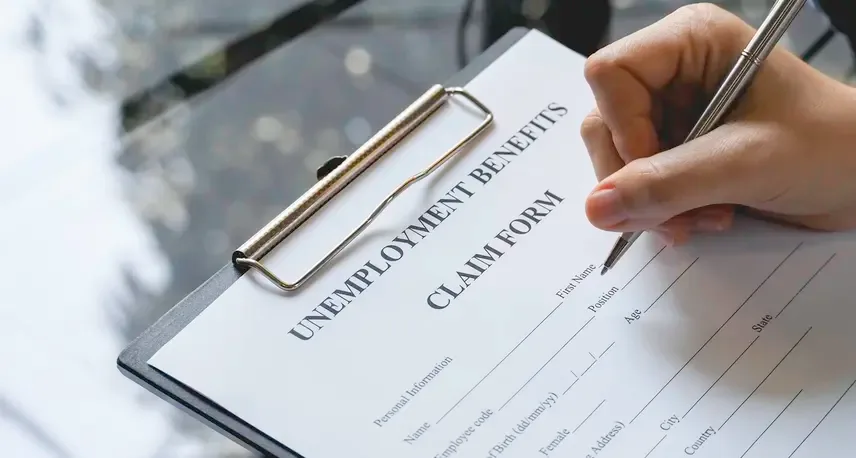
(471, 319)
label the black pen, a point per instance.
(759, 48)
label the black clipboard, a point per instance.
(133, 360)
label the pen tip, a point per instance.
(604, 270)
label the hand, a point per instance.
(788, 150)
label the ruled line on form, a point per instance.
(500, 362)
(643, 268)
(548, 362)
(806, 284)
(607, 349)
(765, 378)
(771, 424)
(822, 419)
(743, 304)
(588, 416)
(720, 377)
(655, 446)
(672, 284)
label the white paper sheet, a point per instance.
(737, 345)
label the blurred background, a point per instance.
(143, 140)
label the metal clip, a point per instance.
(334, 177)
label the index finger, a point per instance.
(695, 44)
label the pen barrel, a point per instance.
(770, 32)
(731, 89)
(778, 21)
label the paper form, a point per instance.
(471, 319)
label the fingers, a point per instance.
(598, 140)
(691, 47)
(694, 45)
(726, 166)
(714, 218)
(605, 161)
(843, 220)
(711, 219)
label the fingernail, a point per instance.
(607, 207)
(711, 223)
(664, 236)
(681, 238)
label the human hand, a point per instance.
(788, 150)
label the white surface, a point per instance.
(591, 371)
(61, 196)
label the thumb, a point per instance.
(722, 167)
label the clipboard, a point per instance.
(133, 360)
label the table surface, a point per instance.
(110, 228)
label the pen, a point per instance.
(765, 40)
